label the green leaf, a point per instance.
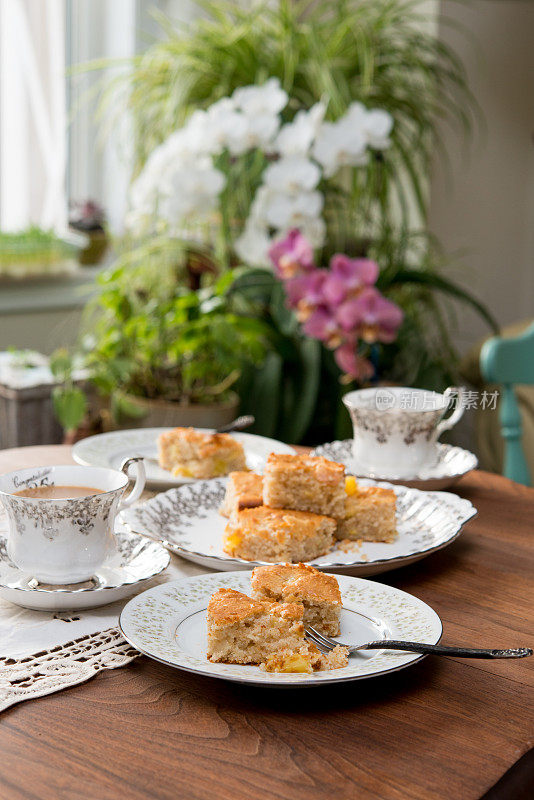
(61, 364)
(70, 406)
(302, 386)
(434, 281)
(263, 395)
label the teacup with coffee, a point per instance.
(61, 518)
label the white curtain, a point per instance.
(50, 148)
(33, 116)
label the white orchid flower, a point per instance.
(355, 115)
(226, 126)
(340, 143)
(191, 190)
(268, 99)
(291, 211)
(296, 137)
(292, 175)
(377, 127)
(258, 133)
(253, 245)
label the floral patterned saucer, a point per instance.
(168, 623)
(135, 561)
(187, 521)
(452, 463)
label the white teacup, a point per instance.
(61, 541)
(396, 429)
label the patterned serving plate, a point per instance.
(452, 463)
(187, 521)
(110, 450)
(135, 561)
(168, 623)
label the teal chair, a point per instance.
(509, 362)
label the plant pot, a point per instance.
(95, 250)
(163, 414)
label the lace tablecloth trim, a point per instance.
(62, 666)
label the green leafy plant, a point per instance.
(147, 335)
(70, 402)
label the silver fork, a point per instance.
(325, 644)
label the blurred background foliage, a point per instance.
(379, 52)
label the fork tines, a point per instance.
(324, 643)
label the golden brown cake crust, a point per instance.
(206, 444)
(281, 522)
(323, 470)
(228, 606)
(292, 582)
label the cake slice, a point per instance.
(246, 631)
(301, 583)
(369, 514)
(277, 534)
(189, 453)
(304, 483)
(306, 659)
(243, 490)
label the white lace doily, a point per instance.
(43, 652)
(62, 666)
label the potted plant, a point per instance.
(157, 352)
(88, 217)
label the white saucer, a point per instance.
(451, 465)
(137, 560)
(110, 450)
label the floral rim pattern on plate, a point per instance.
(187, 521)
(149, 622)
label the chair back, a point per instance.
(510, 362)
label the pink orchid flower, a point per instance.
(348, 276)
(370, 316)
(354, 272)
(322, 325)
(352, 364)
(292, 256)
(305, 292)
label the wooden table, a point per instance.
(444, 727)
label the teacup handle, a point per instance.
(450, 422)
(140, 480)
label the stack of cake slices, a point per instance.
(268, 629)
(299, 508)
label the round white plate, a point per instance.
(110, 450)
(168, 623)
(452, 463)
(136, 560)
(187, 521)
